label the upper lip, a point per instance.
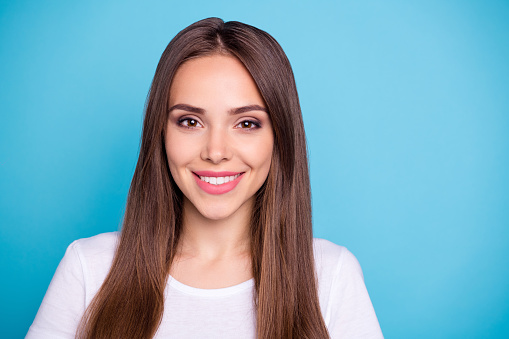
(215, 174)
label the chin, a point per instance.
(215, 213)
(220, 210)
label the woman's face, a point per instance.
(219, 136)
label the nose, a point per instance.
(217, 147)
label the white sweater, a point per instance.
(203, 313)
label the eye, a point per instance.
(248, 124)
(189, 123)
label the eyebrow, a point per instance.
(233, 111)
(187, 108)
(248, 108)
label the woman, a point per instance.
(217, 239)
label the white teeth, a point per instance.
(219, 180)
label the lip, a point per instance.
(217, 189)
(215, 174)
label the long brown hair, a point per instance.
(130, 303)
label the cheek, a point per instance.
(259, 155)
(179, 152)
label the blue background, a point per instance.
(407, 116)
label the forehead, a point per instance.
(214, 80)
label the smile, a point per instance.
(217, 182)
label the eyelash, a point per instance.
(255, 124)
(181, 122)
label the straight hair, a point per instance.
(130, 302)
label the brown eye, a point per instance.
(248, 124)
(189, 123)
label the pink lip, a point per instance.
(215, 174)
(217, 189)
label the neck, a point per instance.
(215, 239)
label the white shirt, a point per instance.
(204, 313)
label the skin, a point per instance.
(214, 248)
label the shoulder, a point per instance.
(323, 246)
(337, 271)
(75, 282)
(330, 258)
(344, 300)
(94, 255)
(98, 245)
(99, 248)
